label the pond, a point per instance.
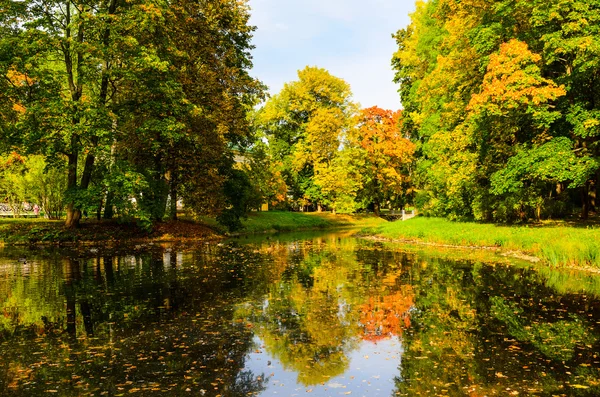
(327, 314)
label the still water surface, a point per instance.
(327, 315)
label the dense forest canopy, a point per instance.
(136, 101)
(502, 101)
(125, 109)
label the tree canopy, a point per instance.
(134, 97)
(501, 101)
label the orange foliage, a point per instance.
(382, 317)
(18, 108)
(13, 159)
(513, 79)
(387, 151)
(18, 78)
(380, 133)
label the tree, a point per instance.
(305, 125)
(387, 155)
(483, 82)
(62, 70)
(264, 174)
(567, 35)
(188, 109)
(156, 93)
(45, 185)
(12, 187)
(513, 109)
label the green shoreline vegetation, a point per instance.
(557, 244)
(23, 231)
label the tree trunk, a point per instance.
(376, 207)
(73, 214)
(173, 195)
(585, 202)
(108, 207)
(99, 210)
(376, 203)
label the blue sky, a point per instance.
(350, 38)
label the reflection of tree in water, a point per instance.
(484, 330)
(324, 304)
(142, 323)
(385, 316)
(304, 324)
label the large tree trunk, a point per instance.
(73, 216)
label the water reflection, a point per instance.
(330, 315)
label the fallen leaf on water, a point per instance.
(580, 387)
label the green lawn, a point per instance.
(284, 221)
(555, 243)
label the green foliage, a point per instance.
(240, 196)
(30, 180)
(552, 162)
(305, 125)
(502, 102)
(265, 174)
(13, 189)
(142, 100)
(46, 185)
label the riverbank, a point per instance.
(281, 221)
(24, 231)
(575, 245)
(555, 243)
(41, 231)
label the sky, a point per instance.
(350, 38)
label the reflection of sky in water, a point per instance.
(373, 367)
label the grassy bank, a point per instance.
(558, 244)
(38, 230)
(276, 221)
(23, 231)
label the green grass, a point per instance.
(556, 244)
(21, 230)
(283, 221)
(36, 230)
